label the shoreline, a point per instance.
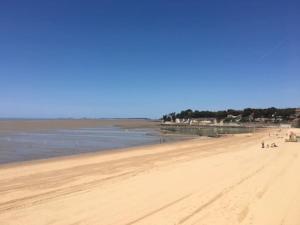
(178, 138)
(103, 152)
(16, 134)
(50, 127)
(122, 151)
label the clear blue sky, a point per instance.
(146, 58)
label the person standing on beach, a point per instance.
(262, 144)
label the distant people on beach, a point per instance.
(273, 145)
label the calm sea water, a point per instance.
(21, 146)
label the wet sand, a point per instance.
(32, 125)
(229, 180)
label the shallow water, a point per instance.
(208, 131)
(18, 146)
(21, 146)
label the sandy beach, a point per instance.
(224, 181)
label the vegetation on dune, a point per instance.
(245, 115)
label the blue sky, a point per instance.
(146, 58)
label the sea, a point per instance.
(16, 146)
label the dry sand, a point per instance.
(229, 180)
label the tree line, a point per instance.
(247, 114)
